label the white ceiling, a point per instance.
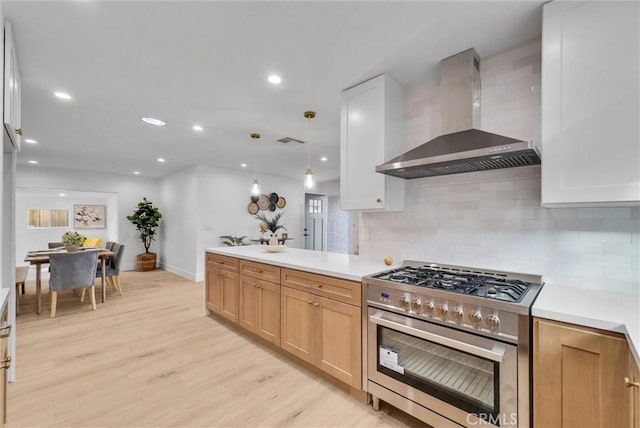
(206, 62)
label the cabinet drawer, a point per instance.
(327, 286)
(223, 262)
(260, 271)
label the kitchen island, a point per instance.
(307, 304)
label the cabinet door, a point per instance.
(339, 341)
(298, 324)
(634, 392)
(248, 305)
(590, 103)
(371, 129)
(578, 377)
(214, 290)
(268, 316)
(12, 90)
(230, 286)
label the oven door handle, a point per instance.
(451, 343)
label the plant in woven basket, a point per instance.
(273, 224)
(146, 218)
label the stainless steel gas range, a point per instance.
(451, 345)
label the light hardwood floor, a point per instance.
(152, 358)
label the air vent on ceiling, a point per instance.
(287, 140)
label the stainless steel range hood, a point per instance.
(464, 147)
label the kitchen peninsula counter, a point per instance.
(345, 266)
(603, 310)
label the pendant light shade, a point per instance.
(309, 182)
(255, 186)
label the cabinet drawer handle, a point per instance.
(309, 302)
(5, 331)
(19, 131)
(316, 304)
(378, 200)
(5, 364)
(259, 286)
(628, 383)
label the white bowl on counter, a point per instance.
(273, 248)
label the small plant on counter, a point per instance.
(233, 241)
(73, 238)
(272, 224)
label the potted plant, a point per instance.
(146, 218)
(233, 241)
(72, 241)
(271, 224)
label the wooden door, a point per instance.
(298, 323)
(229, 295)
(578, 377)
(248, 305)
(268, 312)
(214, 290)
(339, 341)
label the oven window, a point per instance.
(466, 381)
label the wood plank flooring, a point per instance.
(152, 358)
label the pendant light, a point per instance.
(309, 183)
(255, 187)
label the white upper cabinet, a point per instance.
(590, 104)
(12, 90)
(371, 132)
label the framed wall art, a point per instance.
(89, 216)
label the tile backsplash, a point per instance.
(493, 219)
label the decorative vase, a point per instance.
(71, 248)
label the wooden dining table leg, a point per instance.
(38, 289)
(104, 286)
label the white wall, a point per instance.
(179, 207)
(129, 189)
(493, 219)
(223, 198)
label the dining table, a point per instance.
(41, 257)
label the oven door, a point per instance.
(471, 380)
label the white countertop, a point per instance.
(592, 308)
(346, 266)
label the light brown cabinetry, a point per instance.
(319, 330)
(579, 377)
(222, 286)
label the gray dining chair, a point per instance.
(70, 271)
(112, 269)
(108, 245)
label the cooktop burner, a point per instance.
(464, 282)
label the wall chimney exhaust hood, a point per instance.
(464, 147)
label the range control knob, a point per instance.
(429, 307)
(416, 305)
(442, 310)
(492, 321)
(475, 318)
(457, 314)
(404, 301)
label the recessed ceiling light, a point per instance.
(161, 160)
(62, 95)
(33, 162)
(30, 141)
(323, 158)
(136, 172)
(275, 79)
(62, 194)
(153, 121)
(243, 165)
(197, 128)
